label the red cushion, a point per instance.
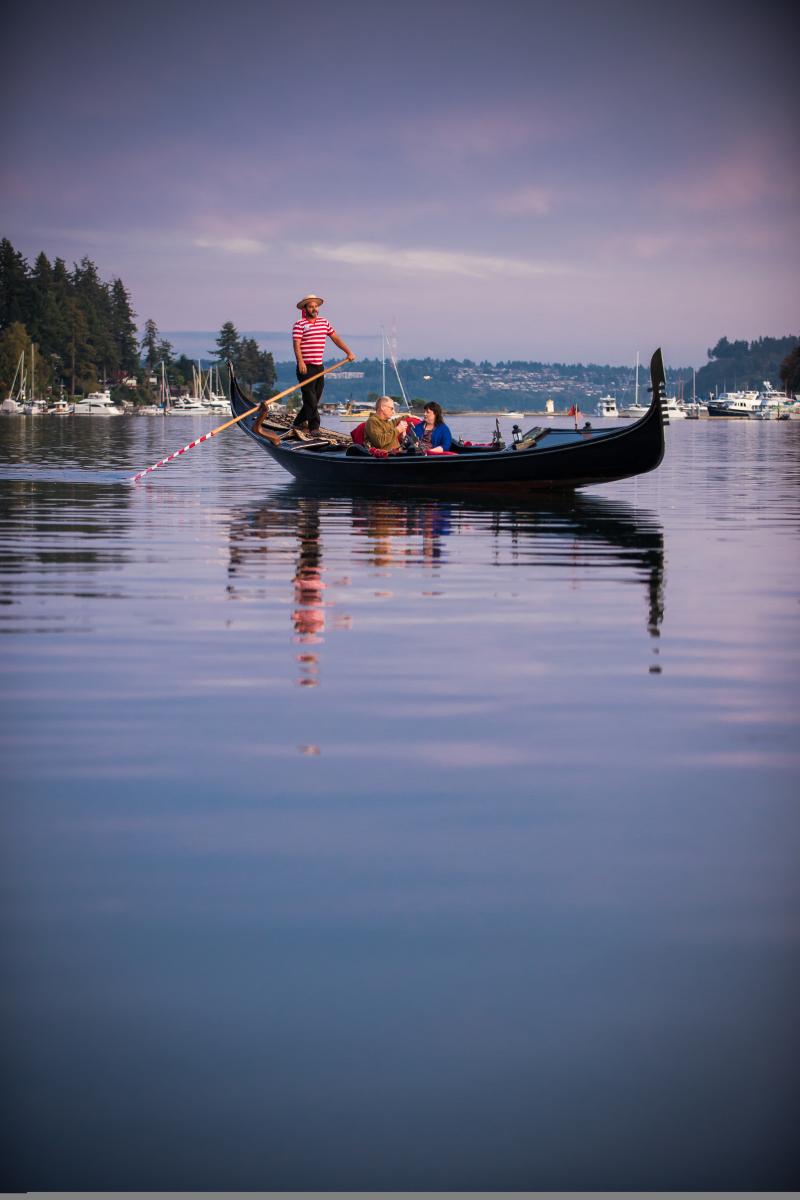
(357, 434)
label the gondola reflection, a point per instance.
(280, 543)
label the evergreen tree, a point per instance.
(15, 299)
(82, 328)
(48, 324)
(79, 362)
(124, 328)
(741, 364)
(248, 362)
(790, 371)
(14, 343)
(61, 340)
(150, 344)
(182, 369)
(228, 344)
(94, 299)
(268, 374)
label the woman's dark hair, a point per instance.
(436, 409)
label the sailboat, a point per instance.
(360, 411)
(393, 356)
(693, 409)
(160, 409)
(34, 407)
(192, 405)
(636, 409)
(214, 398)
(14, 403)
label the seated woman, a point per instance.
(433, 434)
(382, 430)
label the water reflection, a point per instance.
(54, 532)
(583, 534)
(390, 527)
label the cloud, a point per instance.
(432, 261)
(693, 242)
(478, 133)
(748, 178)
(531, 201)
(232, 245)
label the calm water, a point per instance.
(370, 844)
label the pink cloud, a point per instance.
(748, 178)
(533, 201)
(481, 134)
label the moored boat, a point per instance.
(97, 404)
(35, 408)
(607, 407)
(186, 406)
(675, 411)
(734, 404)
(354, 414)
(543, 459)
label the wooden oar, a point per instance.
(235, 421)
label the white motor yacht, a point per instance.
(675, 411)
(607, 407)
(734, 404)
(774, 406)
(97, 404)
(187, 406)
(216, 402)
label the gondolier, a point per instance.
(308, 338)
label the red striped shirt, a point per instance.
(312, 335)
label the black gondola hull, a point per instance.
(561, 460)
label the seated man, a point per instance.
(383, 431)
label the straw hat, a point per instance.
(302, 303)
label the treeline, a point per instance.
(742, 365)
(254, 368)
(81, 331)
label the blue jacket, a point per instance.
(440, 435)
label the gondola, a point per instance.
(544, 458)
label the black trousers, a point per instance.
(312, 394)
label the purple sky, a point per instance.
(554, 181)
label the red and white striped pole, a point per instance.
(234, 421)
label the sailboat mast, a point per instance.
(636, 395)
(383, 361)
